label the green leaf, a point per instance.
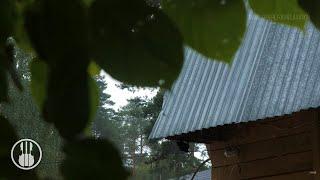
(8, 17)
(312, 7)
(281, 11)
(212, 27)
(58, 32)
(92, 158)
(94, 98)
(93, 69)
(3, 79)
(38, 87)
(21, 35)
(7, 139)
(57, 28)
(135, 43)
(7, 20)
(87, 2)
(67, 104)
(39, 78)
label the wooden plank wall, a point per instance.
(272, 149)
(316, 145)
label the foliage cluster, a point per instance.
(134, 42)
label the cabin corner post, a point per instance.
(210, 154)
(316, 144)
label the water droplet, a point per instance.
(225, 41)
(161, 82)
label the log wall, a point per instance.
(281, 148)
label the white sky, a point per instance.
(120, 96)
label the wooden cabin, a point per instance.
(259, 117)
(279, 148)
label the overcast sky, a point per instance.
(120, 96)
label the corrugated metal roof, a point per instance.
(276, 71)
(202, 175)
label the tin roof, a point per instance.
(202, 175)
(276, 71)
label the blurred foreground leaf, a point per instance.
(281, 11)
(94, 98)
(312, 7)
(135, 43)
(92, 159)
(7, 19)
(58, 28)
(60, 38)
(212, 27)
(67, 104)
(93, 69)
(21, 35)
(39, 78)
(38, 87)
(3, 79)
